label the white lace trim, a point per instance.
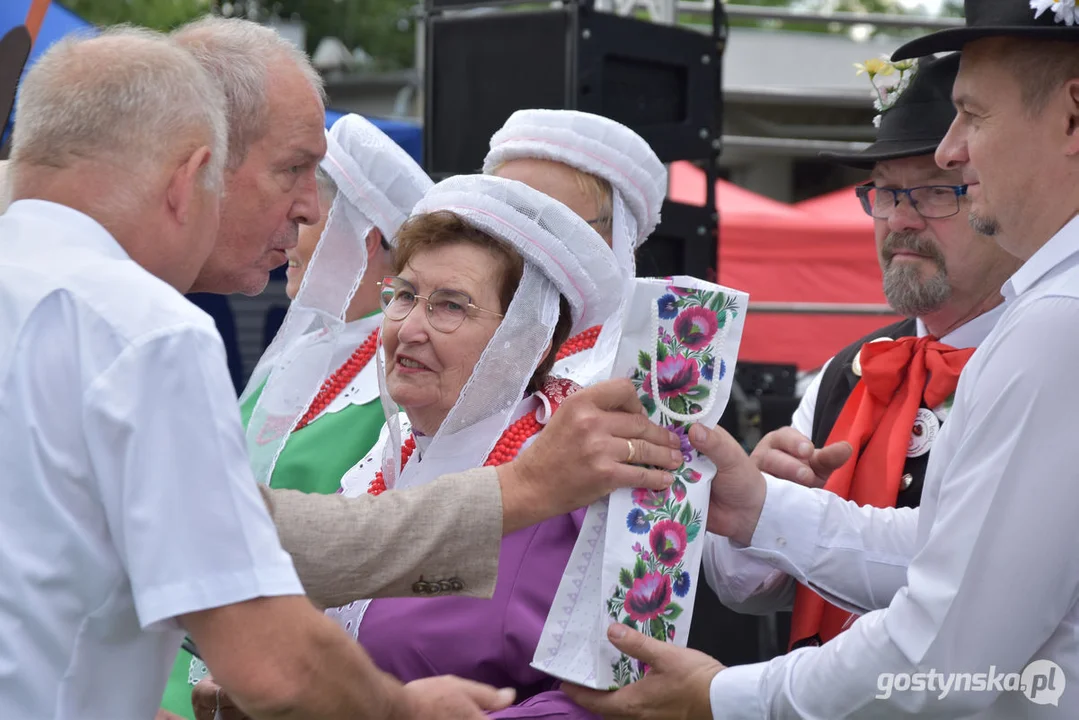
(196, 671)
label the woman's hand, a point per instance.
(212, 703)
(163, 714)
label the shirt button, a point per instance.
(456, 585)
(907, 480)
(420, 588)
(781, 542)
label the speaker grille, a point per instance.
(488, 67)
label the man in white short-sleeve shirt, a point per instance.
(117, 418)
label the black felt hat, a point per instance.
(918, 120)
(992, 18)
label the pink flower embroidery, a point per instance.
(679, 490)
(695, 327)
(650, 499)
(649, 597)
(677, 375)
(668, 541)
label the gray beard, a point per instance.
(910, 295)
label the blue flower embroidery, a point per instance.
(681, 584)
(668, 306)
(709, 368)
(637, 522)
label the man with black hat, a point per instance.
(945, 279)
(986, 618)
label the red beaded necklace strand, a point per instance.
(340, 379)
(506, 449)
(579, 343)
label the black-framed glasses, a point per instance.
(446, 309)
(930, 201)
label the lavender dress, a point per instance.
(490, 641)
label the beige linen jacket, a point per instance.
(439, 539)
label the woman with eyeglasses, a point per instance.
(490, 279)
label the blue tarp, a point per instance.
(408, 135)
(59, 21)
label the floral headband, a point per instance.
(886, 94)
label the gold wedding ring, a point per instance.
(632, 452)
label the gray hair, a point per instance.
(5, 186)
(238, 54)
(130, 97)
(327, 188)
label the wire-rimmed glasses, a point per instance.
(446, 309)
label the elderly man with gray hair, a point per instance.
(116, 414)
(447, 534)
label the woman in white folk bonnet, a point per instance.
(491, 278)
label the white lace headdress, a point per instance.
(563, 256)
(607, 149)
(378, 184)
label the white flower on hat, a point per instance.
(885, 96)
(1063, 10)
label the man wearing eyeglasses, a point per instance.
(886, 394)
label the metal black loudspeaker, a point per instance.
(683, 244)
(659, 80)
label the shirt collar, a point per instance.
(358, 330)
(1059, 248)
(72, 226)
(971, 333)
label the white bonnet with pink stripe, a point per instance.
(592, 144)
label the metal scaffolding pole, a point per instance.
(753, 12)
(819, 308)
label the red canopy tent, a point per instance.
(840, 206)
(782, 253)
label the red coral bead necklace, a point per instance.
(340, 379)
(506, 449)
(579, 343)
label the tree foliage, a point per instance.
(156, 14)
(385, 29)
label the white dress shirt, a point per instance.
(747, 584)
(127, 497)
(993, 581)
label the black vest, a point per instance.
(836, 385)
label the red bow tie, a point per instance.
(877, 420)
